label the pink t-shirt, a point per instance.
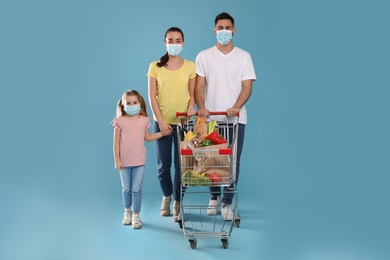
(132, 151)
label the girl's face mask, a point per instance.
(132, 110)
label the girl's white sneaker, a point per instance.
(127, 217)
(136, 221)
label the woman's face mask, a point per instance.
(224, 36)
(132, 110)
(174, 49)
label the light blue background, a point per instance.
(315, 167)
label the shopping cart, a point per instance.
(203, 167)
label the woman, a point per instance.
(171, 84)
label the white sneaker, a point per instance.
(136, 221)
(213, 207)
(127, 217)
(227, 213)
(176, 210)
(165, 206)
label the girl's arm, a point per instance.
(117, 138)
(151, 137)
(191, 104)
(152, 89)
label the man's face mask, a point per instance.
(224, 36)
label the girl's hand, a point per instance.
(191, 111)
(165, 128)
(118, 166)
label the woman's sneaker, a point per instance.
(165, 206)
(176, 210)
(127, 217)
(136, 221)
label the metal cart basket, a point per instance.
(203, 167)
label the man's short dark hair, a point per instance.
(223, 16)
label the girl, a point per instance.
(130, 130)
(171, 84)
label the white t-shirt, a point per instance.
(224, 75)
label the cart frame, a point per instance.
(199, 160)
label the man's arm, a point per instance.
(245, 94)
(199, 95)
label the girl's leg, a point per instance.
(138, 177)
(125, 176)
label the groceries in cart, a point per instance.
(205, 134)
(202, 162)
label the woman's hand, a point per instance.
(165, 128)
(191, 111)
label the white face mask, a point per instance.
(174, 49)
(224, 36)
(132, 110)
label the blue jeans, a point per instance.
(131, 179)
(229, 191)
(163, 148)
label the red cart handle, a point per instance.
(218, 113)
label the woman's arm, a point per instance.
(199, 95)
(117, 138)
(165, 128)
(191, 103)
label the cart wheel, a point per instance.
(225, 243)
(237, 222)
(193, 243)
(180, 223)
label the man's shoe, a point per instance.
(213, 207)
(227, 213)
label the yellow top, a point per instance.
(172, 89)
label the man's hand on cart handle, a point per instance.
(203, 112)
(233, 111)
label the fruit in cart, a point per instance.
(189, 135)
(187, 174)
(214, 177)
(216, 138)
(192, 178)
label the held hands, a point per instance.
(165, 128)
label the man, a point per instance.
(224, 83)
